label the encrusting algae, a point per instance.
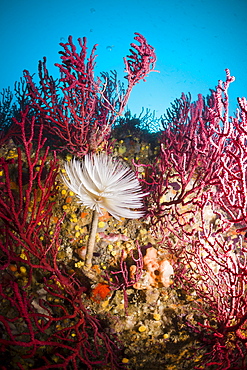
(149, 300)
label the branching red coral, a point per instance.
(200, 149)
(79, 110)
(59, 321)
(41, 303)
(125, 277)
(26, 197)
(198, 206)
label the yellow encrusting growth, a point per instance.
(101, 224)
(68, 157)
(23, 270)
(79, 264)
(156, 316)
(23, 255)
(142, 328)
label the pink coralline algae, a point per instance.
(157, 271)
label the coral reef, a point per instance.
(166, 291)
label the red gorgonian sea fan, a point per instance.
(198, 207)
(78, 110)
(44, 323)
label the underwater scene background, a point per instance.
(122, 235)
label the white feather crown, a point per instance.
(100, 181)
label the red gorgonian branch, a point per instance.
(129, 273)
(197, 205)
(41, 303)
(77, 110)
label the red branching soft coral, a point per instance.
(198, 205)
(77, 111)
(43, 318)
